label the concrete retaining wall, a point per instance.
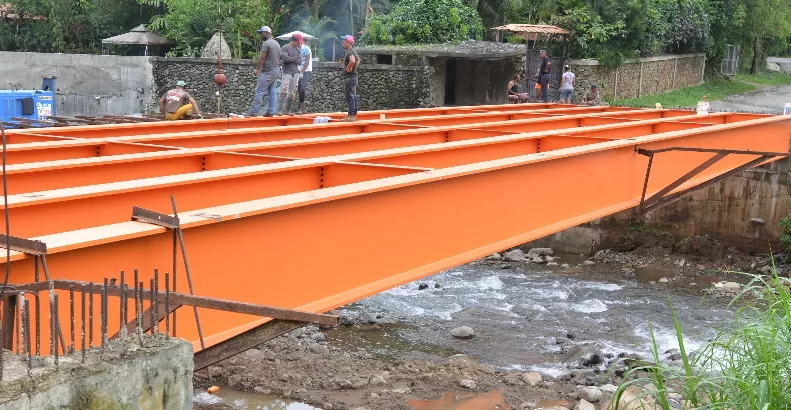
(380, 86)
(641, 77)
(744, 210)
(130, 377)
(86, 84)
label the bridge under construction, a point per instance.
(265, 224)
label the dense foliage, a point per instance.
(425, 21)
(609, 30)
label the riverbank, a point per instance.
(570, 320)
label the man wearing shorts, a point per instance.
(567, 85)
(291, 55)
(177, 103)
(513, 91)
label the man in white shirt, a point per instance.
(305, 70)
(567, 86)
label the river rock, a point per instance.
(537, 259)
(590, 393)
(318, 337)
(463, 332)
(608, 389)
(437, 286)
(552, 264)
(565, 266)
(732, 287)
(467, 384)
(515, 255)
(584, 405)
(377, 381)
(540, 252)
(633, 398)
(532, 378)
(320, 350)
(422, 286)
(494, 257)
(255, 355)
(588, 263)
(664, 280)
(359, 384)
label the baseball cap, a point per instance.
(181, 83)
(348, 38)
(265, 29)
(299, 38)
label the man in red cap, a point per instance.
(350, 64)
(305, 71)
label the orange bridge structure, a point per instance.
(281, 220)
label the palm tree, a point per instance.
(320, 28)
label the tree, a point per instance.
(765, 19)
(425, 21)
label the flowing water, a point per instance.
(525, 318)
(531, 318)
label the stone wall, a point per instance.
(86, 84)
(157, 375)
(380, 86)
(641, 77)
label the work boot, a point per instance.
(289, 103)
(301, 110)
(349, 118)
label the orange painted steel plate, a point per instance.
(319, 233)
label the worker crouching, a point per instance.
(178, 103)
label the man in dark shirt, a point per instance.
(545, 75)
(268, 72)
(177, 103)
(350, 64)
(291, 54)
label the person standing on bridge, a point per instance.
(350, 64)
(305, 69)
(545, 75)
(567, 85)
(268, 72)
(291, 54)
(177, 103)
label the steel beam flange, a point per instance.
(23, 245)
(154, 218)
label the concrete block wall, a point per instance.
(380, 86)
(86, 84)
(640, 77)
(157, 376)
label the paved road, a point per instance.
(769, 100)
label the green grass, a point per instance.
(745, 367)
(715, 90)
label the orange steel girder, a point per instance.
(313, 229)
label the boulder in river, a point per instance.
(540, 252)
(633, 398)
(422, 286)
(589, 393)
(463, 332)
(584, 405)
(532, 378)
(515, 255)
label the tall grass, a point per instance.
(746, 366)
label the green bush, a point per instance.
(785, 238)
(746, 366)
(424, 22)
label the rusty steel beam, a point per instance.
(243, 341)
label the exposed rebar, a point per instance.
(82, 322)
(37, 321)
(55, 322)
(27, 338)
(187, 269)
(122, 307)
(71, 318)
(155, 308)
(103, 313)
(90, 315)
(167, 305)
(140, 312)
(175, 265)
(53, 343)
(152, 303)
(21, 334)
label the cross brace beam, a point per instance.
(662, 198)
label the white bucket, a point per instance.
(787, 109)
(703, 108)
